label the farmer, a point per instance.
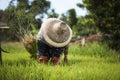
(53, 36)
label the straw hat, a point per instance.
(55, 32)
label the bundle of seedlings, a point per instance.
(30, 44)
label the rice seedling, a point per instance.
(30, 44)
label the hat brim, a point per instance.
(48, 40)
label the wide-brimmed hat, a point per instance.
(56, 32)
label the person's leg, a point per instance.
(65, 51)
(43, 50)
(56, 52)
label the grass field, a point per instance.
(90, 62)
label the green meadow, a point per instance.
(94, 61)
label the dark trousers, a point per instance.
(49, 51)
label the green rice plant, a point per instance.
(92, 49)
(17, 65)
(30, 44)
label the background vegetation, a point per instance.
(103, 17)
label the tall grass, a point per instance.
(90, 62)
(92, 49)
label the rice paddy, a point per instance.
(94, 61)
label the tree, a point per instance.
(21, 17)
(39, 7)
(19, 21)
(64, 17)
(72, 19)
(1, 15)
(53, 14)
(86, 26)
(106, 14)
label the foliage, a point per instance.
(39, 6)
(53, 14)
(1, 15)
(22, 21)
(72, 18)
(106, 14)
(64, 17)
(84, 63)
(86, 26)
(21, 17)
